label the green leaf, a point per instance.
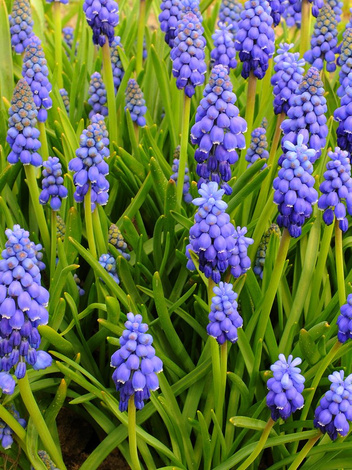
(308, 347)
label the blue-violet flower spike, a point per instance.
(53, 184)
(224, 51)
(116, 239)
(108, 262)
(102, 16)
(257, 149)
(263, 246)
(65, 99)
(135, 103)
(116, 64)
(344, 321)
(97, 95)
(230, 14)
(21, 25)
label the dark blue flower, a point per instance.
(255, 39)
(65, 99)
(136, 364)
(135, 102)
(344, 321)
(257, 149)
(230, 14)
(21, 25)
(224, 51)
(116, 239)
(188, 54)
(316, 6)
(5, 431)
(176, 162)
(218, 130)
(345, 62)
(263, 246)
(285, 388)
(102, 16)
(223, 317)
(116, 64)
(22, 134)
(277, 8)
(97, 95)
(53, 184)
(335, 408)
(108, 262)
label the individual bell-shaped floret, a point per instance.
(263, 246)
(97, 95)
(135, 103)
(176, 162)
(224, 51)
(21, 25)
(102, 16)
(344, 321)
(230, 14)
(108, 262)
(53, 184)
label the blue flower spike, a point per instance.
(116, 64)
(135, 103)
(21, 25)
(116, 239)
(97, 95)
(258, 147)
(53, 184)
(263, 246)
(224, 51)
(102, 16)
(230, 14)
(108, 262)
(344, 321)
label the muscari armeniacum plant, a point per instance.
(258, 147)
(224, 51)
(97, 95)
(117, 68)
(21, 25)
(108, 262)
(263, 246)
(344, 321)
(53, 184)
(135, 103)
(230, 14)
(102, 17)
(116, 239)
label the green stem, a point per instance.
(110, 91)
(38, 208)
(252, 84)
(43, 140)
(305, 27)
(53, 245)
(98, 233)
(260, 445)
(223, 376)
(132, 436)
(304, 452)
(183, 151)
(89, 222)
(136, 132)
(58, 45)
(140, 35)
(35, 414)
(276, 139)
(339, 264)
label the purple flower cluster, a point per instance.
(5, 430)
(65, 99)
(294, 187)
(223, 317)
(218, 130)
(306, 115)
(102, 16)
(176, 162)
(22, 135)
(135, 103)
(277, 8)
(345, 62)
(53, 184)
(258, 147)
(108, 262)
(230, 14)
(344, 321)
(23, 304)
(292, 17)
(255, 39)
(289, 70)
(97, 95)
(214, 238)
(68, 36)
(285, 388)
(336, 6)
(90, 168)
(99, 119)
(337, 185)
(335, 408)
(136, 364)
(21, 25)
(263, 246)
(188, 54)
(224, 51)
(35, 72)
(316, 6)
(324, 41)
(116, 239)
(116, 64)
(343, 115)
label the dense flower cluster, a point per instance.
(336, 187)
(294, 187)
(277, 8)
(214, 238)
(343, 115)
(97, 95)
(135, 102)
(345, 62)
(336, 6)
(90, 168)
(324, 41)
(23, 304)
(230, 14)
(335, 408)
(285, 388)
(218, 130)
(102, 16)
(53, 184)
(306, 115)
(22, 135)
(258, 147)
(116, 239)
(65, 99)
(136, 364)
(223, 317)
(188, 54)
(316, 6)
(263, 246)
(344, 321)
(176, 162)
(292, 17)
(21, 25)
(108, 262)
(224, 51)
(99, 119)
(289, 70)
(68, 36)
(5, 430)
(116, 64)
(255, 39)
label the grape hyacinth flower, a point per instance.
(343, 115)
(336, 6)
(65, 99)
(336, 187)
(294, 187)
(108, 262)
(116, 239)
(285, 388)
(188, 54)
(176, 162)
(45, 457)
(324, 41)
(53, 184)
(277, 8)
(22, 309)
(255, 39)
(335, 408)
(316, 6)
(223, 317)
(135, 103)
(344, 321)
(289, 70)
(218, 130)
(22, 135)
(21, 25)
(116, 64)
(230, 14)
(257, 149)
(97, 95)
(224, 51)
(345, 62)
(60, 228)
(5, 431)
(214, 238)
(99, 119)
(136, 364)
(306, 115)
(90, 167)
(68, 36)
(102, 16)
(291, 16)
(263, 246)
